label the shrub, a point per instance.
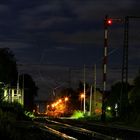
(77, 114)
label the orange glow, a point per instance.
(60, 101)
(66, 99)
(82, 96)
(97, 110)
(52, 105)
(58, 108)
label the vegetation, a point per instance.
(10, 115)
(113, 99)
(16, 120)
(16, 123)
(77, 114)
(9, 76)
(134, 95)
(30, 90)
(133, 112)
(134, 102)
(8, 67)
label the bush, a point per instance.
(16, 109)
(77, 114)
(14, 124)
(7, 121)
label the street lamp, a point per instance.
(84, 92)
(60, 100)
(81, 98)
(66, 99)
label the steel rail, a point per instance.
(57, 133)
(86, 132)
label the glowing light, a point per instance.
(109, 108)
(116, 106)
(60, 101)
(66, 99)
(52, 105)
(109, 21)
(82, 96)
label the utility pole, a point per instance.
(23, 89)
(94, 103)
(90, 105)
(18, 85)
(124, 91)
(84, 92)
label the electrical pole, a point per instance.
(90, 105)
(23, 90)
(124, 91)
(84, 92)
(94, 103)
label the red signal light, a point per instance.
(109, 21)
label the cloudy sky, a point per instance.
(53, 39)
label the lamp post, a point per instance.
(66, 100)
(94, 103)
(81, 98)
(84, 92)
(90, 103)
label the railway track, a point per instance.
(113, 130)
(70, 132)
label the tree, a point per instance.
(30, 90)
(114, 96)
(8, 67)
(134, 95)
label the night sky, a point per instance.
(52, 39)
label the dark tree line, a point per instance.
(134, 94)
(9, 76)
(30, 90)
(133, 111)
(8, 67)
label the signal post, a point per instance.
(107, 22)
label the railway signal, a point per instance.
(109, 21)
